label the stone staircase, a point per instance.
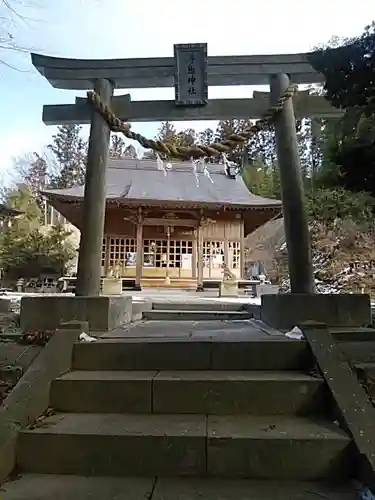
(186, 416)
(198, 310)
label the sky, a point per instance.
(146, 28)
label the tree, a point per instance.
(262, 146)
(355, 157)
(261, 180)
(207, 136)
(167, 133)
(328, 205)
(149, 154)
(130, 152)
(349, 70)
(117, 147)
(23, 199)
(70, 151)
(349, 151)
(33, 172)
(8, 21)
(24, 249)
(30, 254)
(226, 128)
(186, 138)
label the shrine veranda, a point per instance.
(174, 220)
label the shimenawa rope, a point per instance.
(197, 150)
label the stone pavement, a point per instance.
(178, 295)
(46, 487)
(195, 330)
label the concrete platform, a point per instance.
(49, 486)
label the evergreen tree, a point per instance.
(167, 133)
(226, 128)
(37, 175)
(186, 138)
(117, 147)
(25, 250)
(70, 151)
(262, 146)
(261, 180)
(21, 198)
(33, 172)
(348, 67)
(207, 136)
(149, 154)
(130, 152)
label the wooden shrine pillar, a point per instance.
(168, 256)
(106, 255)
(226, 245)
(194, 261)
(294, 209)
(139, 259)
(200, 258)
(90, 247)
(242, 249)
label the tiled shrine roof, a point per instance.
(140, 180)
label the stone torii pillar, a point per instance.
(90, 247)
(292, 193)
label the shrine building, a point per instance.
(171, 227)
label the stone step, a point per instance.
(12, 335)
(62, 487)
(353, 334)
(359, 351)
(195, 315)
(367, 368)
(198, 305)
(275, 353)
(205, 392)
(270, 447)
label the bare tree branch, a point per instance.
(10, 18)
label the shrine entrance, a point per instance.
(171, 258)
(190, 71)
(155, 257)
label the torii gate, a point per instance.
(190, 71)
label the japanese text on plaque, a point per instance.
(191, 70)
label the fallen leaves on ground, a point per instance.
(343, 259)
(36, 337)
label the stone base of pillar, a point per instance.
(200, 288)
(228, 289)
(137, 288)
(102, 313)
(112, 286)
(284, 311)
